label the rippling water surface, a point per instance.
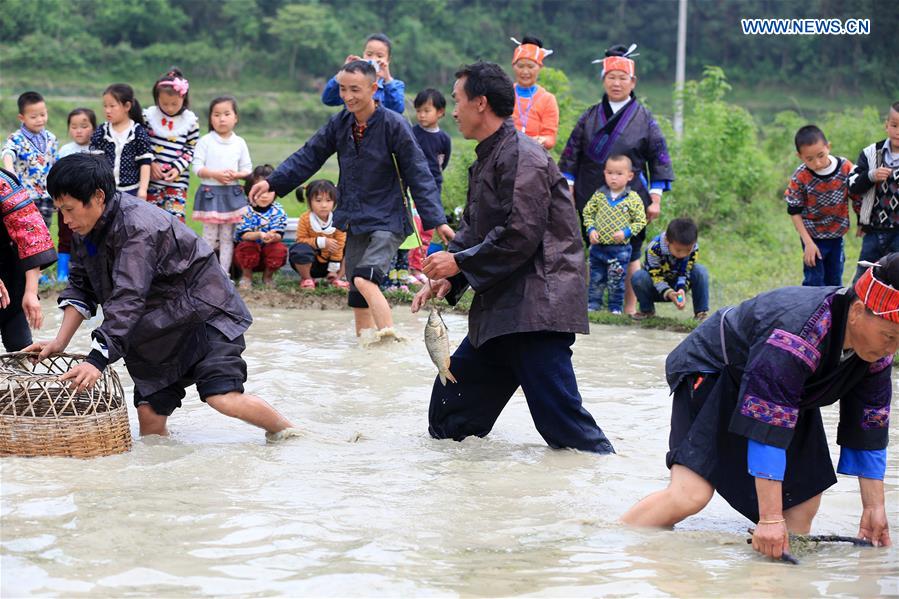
(368, 504)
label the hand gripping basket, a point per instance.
(42, 416)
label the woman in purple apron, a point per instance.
(619, 124)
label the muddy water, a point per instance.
(368, 504)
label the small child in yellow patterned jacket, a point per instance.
(611, 217)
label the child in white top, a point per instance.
(221, 159)
(82, 123)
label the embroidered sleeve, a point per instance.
(768, 404)
(25, 225)
(865, 411)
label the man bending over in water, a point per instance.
(168, 309)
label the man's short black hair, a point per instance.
(80, 176)
(27, 99)
(895, 107)
(435, 97)
(488, 79)
(807, 136)
(361, 66)
(682, 230)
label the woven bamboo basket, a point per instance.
(42, 416)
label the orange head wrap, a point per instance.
(619, 61)
(529, 51)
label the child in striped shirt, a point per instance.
(174, 131)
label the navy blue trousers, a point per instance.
(539, 363)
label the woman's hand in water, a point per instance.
(434, 288)
(771, 539)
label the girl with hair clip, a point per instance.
(221, 160)
(174, 131)
(124, 140)
(536, 110)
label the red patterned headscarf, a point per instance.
(881, 299)
(529, 51)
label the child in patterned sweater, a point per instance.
(818, 202)
(31, 150)
(259, 234)
(611, 217)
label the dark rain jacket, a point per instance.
(784, 348)
(370, 195)
(159, 285)
(519, 245)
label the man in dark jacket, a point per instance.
(168, 309)
(374, 147)
(520, 249)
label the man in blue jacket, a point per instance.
(375, 149)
